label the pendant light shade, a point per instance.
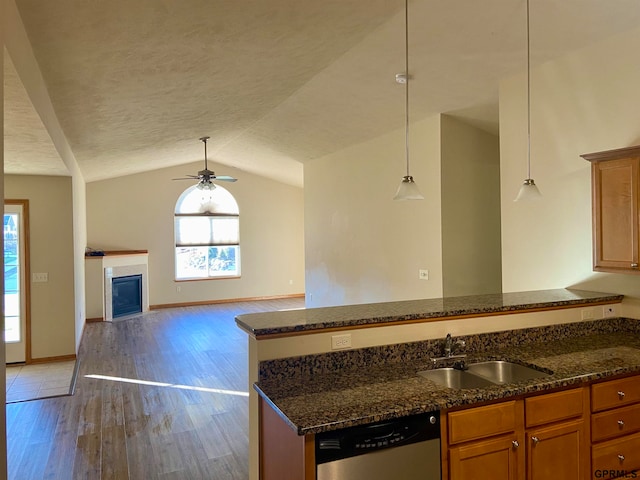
(528, 190)
(407, 190)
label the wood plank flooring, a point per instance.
(158, 396)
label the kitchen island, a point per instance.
(314, 389)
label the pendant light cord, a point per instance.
(406, 86)
(528, 96)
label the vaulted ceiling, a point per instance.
(275, 83)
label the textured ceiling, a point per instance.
(274, 83)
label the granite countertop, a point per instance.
(587, 351)
(309, 319)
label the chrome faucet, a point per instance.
(449, 350)
(450, 344)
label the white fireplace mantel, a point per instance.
(99, 273)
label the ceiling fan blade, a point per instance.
(225, 178)
(188, 177)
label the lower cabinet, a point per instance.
(537, 438)
(615, 428)
(500, 458)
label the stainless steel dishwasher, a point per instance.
(407, 448)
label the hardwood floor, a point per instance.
(159, 396)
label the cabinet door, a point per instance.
(621, 455)
(498, 459)
(615, 214)
(558, 451)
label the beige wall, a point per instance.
(136, 212)
(585, 102)
(361, 246)
(23, 59)
(51, 241)
(3, 378)
(471, 254)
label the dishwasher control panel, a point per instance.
(351, 441)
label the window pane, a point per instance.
(12, 329)
(218, 200)
(206, 230)
(203, 262)
(223, 261)
(192, 262)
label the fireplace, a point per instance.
(102, 271)
(126, 295)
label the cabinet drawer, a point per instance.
(621, 454)
(615, 393)
(482, 422)
(614, 423)
(554, 407)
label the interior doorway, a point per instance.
(17, 303)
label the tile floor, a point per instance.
(41, 380)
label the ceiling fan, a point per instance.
(206, 176)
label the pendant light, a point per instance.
(407, 190)
(528, 190)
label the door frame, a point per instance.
(24, 203)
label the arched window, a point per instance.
(207, 234)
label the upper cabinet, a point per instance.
(615, 196)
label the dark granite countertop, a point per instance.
(354, 395)
(291, 321)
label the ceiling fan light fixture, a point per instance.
(206, 176)
(407, 190)
(206, 185)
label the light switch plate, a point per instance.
(39, 277)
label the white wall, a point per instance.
(362, 246)
(135, 212)
(471, 254)
(51, 252)
(585, 102)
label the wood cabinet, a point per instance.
(615, 205)
(557, 435)
(486, 442)
(284, 455)
(540, 437)
(615, 427)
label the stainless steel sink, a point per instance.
(482, 374)
(452, 378)
(499, 371)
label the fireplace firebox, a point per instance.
(127, 295)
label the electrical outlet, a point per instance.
(178, 289)
(587, 314)
(340, 341)
(423, 274)
(609, 311)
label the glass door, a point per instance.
(15, 312)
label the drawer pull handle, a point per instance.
(621, 394)
(535, 440)
(621, 458)
(621, 423)
(515, 444)
(634, 265)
